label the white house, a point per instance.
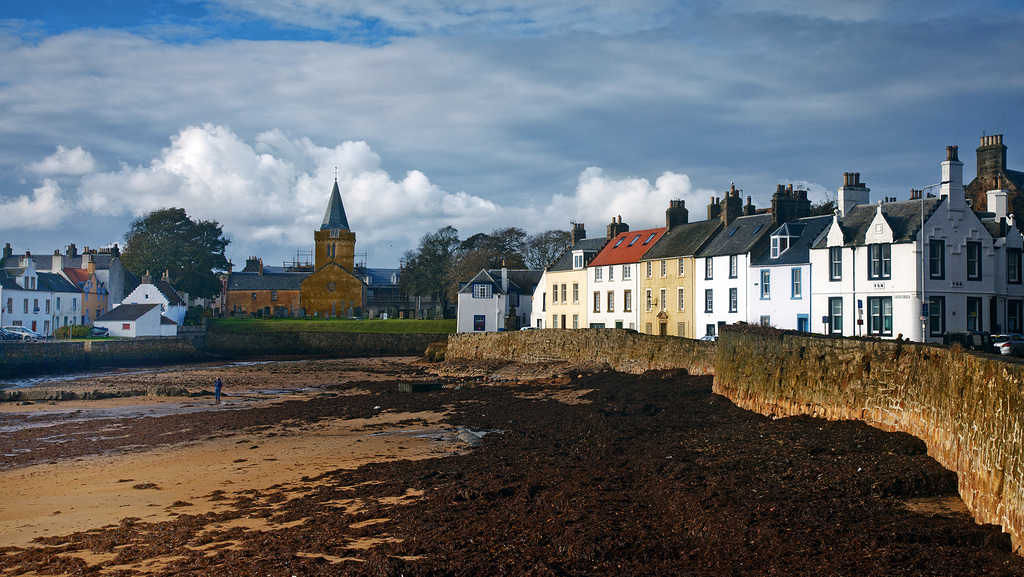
(496, 300)
(613, 279)
(877, 264)
(137, 320)
(723, 273)
(162, 293)
(780, 279)
(36, 300)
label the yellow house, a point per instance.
(562, 292)
(332, 289)
(667, 275)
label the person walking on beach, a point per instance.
(216, 390)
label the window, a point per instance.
(879, 262)
(575, 321)
(682, 298)
(835, 263)
(26, 306)
(626, 272)
(766, 286)
(611, 301)
(10, 306)
(35, 305)
(618, 242)
(565, 294)
(483, 291)
(661, 300)
(708, 269)
(48, 307)
(766, 320)
(627, 300)
(554, 321)
(575, 292)
(682, 268)
(973, 314)
(1013, 266)
(252, 296)
(597, 301)
(650, 238)
(880, 315)
(649, 269)
(734, 266)
(734, 299)
(611, 272)
(797, 283)
(543, 302)
(598, 273)
(58, 304)
(635, 238)
(937, 259)
(664, 268)
(273, 295)
(709, 301)
(835, 315)
(513, 300)
(1014, 312)
(126, 326)
(973, 261)
(479, 322)
(937, 316)
(554, 294)
(647, 305)
(577, 260)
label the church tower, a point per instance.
(332, 290)
(334, 242)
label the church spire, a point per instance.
(335, 217)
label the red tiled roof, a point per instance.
(628, 247)
(77, 275)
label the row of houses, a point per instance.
(948, 259)
(46, 292)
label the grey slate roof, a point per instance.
(379, 277)
(7, 282)
(172, 296)
(127, 312)
(250, 281)
(335, 215)
(57, 283)
(807, 230)
(519, 280)
(739, 237)
(592, 245)
(904, 217)
(684, 240)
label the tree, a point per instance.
(542, 249)
(428, 269)
(191, 252)
(824, 207)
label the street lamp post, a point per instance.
(924, 263)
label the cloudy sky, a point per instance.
(481, 114)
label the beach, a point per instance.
(326, 467)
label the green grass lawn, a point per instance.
(445, 326)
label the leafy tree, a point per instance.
(192, 252)
(824, 207)
(428, 269)
(543, 248)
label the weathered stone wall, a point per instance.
(317, 343)
(624, 350)
(967, 408)
(54, 357)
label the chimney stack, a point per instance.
(616, 228)
(146, 279)
(731, 205)
(8, 251)
(676, 214)
(578, 233)
(714, 208)
(852, 193)
(789, 205)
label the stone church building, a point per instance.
(333, 289)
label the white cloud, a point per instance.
(72, 161)
(44, 209)
(641, 204)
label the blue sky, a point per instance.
(479, 114)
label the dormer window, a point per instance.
(779, 245)
(577, 260)
(481, 291)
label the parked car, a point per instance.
(6, 335)
(26, 334)
(978, 341)
(1010, 344)
(99, 332)
(709, 338)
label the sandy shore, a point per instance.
(87, 492)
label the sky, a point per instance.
(479, 115)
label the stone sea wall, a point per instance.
(28, 358)
(626, 351)
(317, 343)
(967, 408)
